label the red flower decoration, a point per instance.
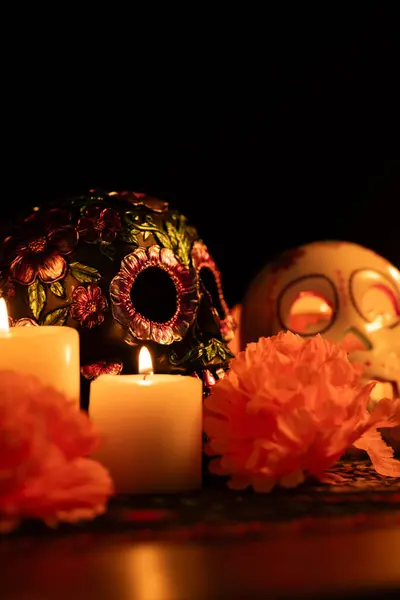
(139, 326)
(102, 367)
(7, 288)
(88, 306)
(289, 408)
(99, 224)
(40, 248)
(44, 444)
(24, 322)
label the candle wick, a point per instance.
(145, 375)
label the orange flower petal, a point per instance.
(386, 413)
(380, 453)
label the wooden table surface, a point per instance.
(322, 566)
(322, 542)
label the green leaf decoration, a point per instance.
(58, 289)
(183, 250)
(149, 220)
(180, 240)
(191, 233)
(148, 227)
(108, 250)
(132, 239)
(58, 316)
(213, 353)
(129, 232)
(172, 232)
(129, 237)
(36, 298)
(210, 352)
(162, 238)
(83, 273)
(177, 237)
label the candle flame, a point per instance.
(4, 326)
(145, 362)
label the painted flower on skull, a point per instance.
(102, 367)
(89, 305)
(97, 224)
(41, 249)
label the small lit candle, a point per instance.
(50, 353)
(151, 427)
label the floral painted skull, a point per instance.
(343, 291)
(125, 270)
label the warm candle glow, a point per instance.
(49, 353)
(151, 431)
(4, 326)
(145, 362)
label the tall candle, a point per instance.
(151, 427)
(50, 353)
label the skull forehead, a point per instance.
(328, 258)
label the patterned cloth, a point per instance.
(361, 499)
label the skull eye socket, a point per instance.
(209, 281)
(308, 305)
(379, 302)
(149, 287)
(376, 299)
(309, 313)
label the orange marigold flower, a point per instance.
(289, 408)
(44, 443)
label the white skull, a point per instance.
(343, 291)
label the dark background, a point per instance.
(267, 131)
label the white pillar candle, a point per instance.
(50, 353)
(151, 428)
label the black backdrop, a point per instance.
(267, 134)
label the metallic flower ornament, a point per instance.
(101, 368)
(89, 305)
(97, 224)
(40, 248)
(124, 269)
(123, 307)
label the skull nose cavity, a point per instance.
(354, 340)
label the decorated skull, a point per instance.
(343, 291)
(125, 270)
